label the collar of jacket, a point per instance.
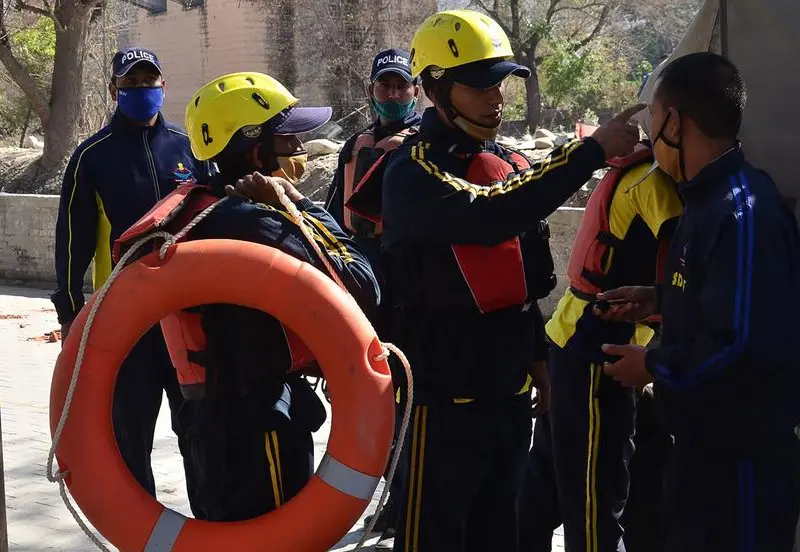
(381, 132)
(121, 123)
(452, 139)
(727, 163)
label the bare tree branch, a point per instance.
(514, 17)
(597, 28)
(551, 10)
(21, 5)
(494, 13)
(580, 8)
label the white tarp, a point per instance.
(764, 42)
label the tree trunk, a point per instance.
(285, 34)
(61, 130)
(533, 99)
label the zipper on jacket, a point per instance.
(152, 164)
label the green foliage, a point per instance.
(514, 108)
(35, 48)
(590, 80)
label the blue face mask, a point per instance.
(140, 104)
(393, 111)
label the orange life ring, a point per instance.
(256, 276)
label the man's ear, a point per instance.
(673, 130)
(416, 91)
(164, 87)
(112, 89)
(255, 156)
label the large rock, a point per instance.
(322, 146)
(544, 133)
(526, 144)
(506, 141)
(35, 142)
(562, 139)
(318, 176)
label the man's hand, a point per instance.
(541, 381)
(630, 370)
(618, 137)
(65, 332)
(261, 189)
(626, 304)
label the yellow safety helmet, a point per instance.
(453, 38)
(244, 101)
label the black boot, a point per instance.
(386, 520)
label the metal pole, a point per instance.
(723, 27)
(3, 521)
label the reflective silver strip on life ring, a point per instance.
(165, 532)
(345, 479)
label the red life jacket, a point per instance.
(366, 155)
(495, 274)
(183, 331)
(587, 269)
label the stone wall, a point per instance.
(27, 240)
(27, 237)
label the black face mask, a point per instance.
(668, 154)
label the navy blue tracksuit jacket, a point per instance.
(727, 372)
(112, 179)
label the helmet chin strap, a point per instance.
(473, 129)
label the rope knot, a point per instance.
(58, 477)
(169, 240)
(383, 355)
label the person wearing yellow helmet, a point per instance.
(251, 438)
(467, 259)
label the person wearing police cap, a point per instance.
(468, 256)
(393, 95)
(112, 179)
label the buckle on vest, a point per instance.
(544, 230)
